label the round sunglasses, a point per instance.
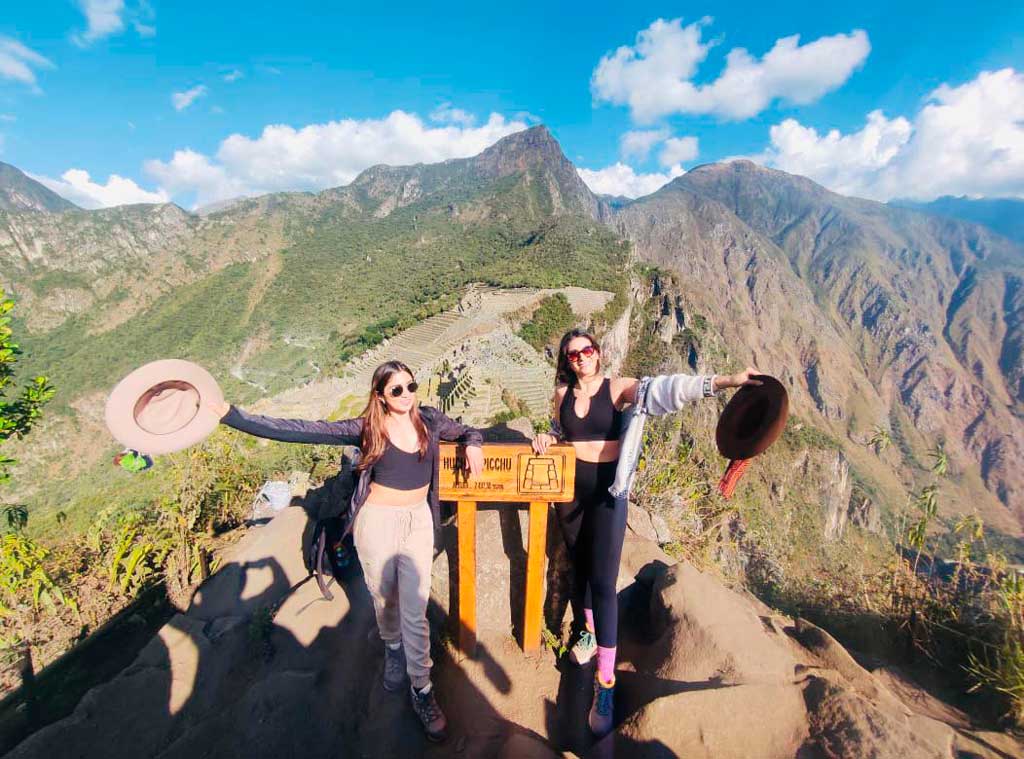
(398, 390)
(574, 356)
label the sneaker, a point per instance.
(430, 714)
(394, 668)
(584, 649)
(603, 708)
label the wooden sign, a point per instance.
(512, 474)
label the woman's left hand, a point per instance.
(475, 459)
(744, 378)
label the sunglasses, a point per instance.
(398, 390)
(587, 352)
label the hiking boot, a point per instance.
(430, 714)
(584, 649)
(602, 710)
(394, 668)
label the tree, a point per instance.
(23, 577)
(18, 416)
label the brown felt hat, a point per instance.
(161, 407)
(752, 419)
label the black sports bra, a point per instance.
(602, 422)
(402, 470)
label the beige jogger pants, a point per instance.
(396, 550)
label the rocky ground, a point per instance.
(262, 665)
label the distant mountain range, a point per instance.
(19, 192)
(873, 315)
(1004, 215)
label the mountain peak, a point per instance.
(529, 147)
(19, 192)
(743, 176)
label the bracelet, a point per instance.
(709, 385)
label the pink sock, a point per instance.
(606, 664)
(588, 614)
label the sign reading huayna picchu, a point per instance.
(512, 473)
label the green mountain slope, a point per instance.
(874, 316)
(274, 290)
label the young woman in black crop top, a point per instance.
(587, 408)
(394, 511)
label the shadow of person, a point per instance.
(178, 678)
(261, 665)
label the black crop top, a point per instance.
(402, 470)
(602, 422)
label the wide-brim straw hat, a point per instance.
(162, 407)
(752, 419)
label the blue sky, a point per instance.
(114, 101)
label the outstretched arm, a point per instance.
(746, 377)
(669, 393)
(341, 432)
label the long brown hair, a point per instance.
(374, 438)
(564, 375)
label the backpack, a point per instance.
(327, 550)
(332, 552)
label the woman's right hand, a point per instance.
(220, 410)
(542, 441)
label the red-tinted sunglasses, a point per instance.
(574, 356)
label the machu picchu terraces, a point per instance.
(464, 359)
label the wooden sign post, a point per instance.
(512, 474)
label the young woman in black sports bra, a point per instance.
(394, 511)
(588, 412)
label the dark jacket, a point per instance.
(349, 432)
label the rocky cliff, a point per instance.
(262, 666)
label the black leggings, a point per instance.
(594, 526)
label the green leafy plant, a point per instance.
(23, 576)
(18, 416)
(880, 440)
(553, 642)
(16, 516)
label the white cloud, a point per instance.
(620, 179)
(446, 114)
(183, 100)
(232, 76)
(103, 18)
(677, 150)
(17, 62)
(318, 156)
(638, 143)
(108, 17)
(966, 140)
(78, 187)
(654, 77)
